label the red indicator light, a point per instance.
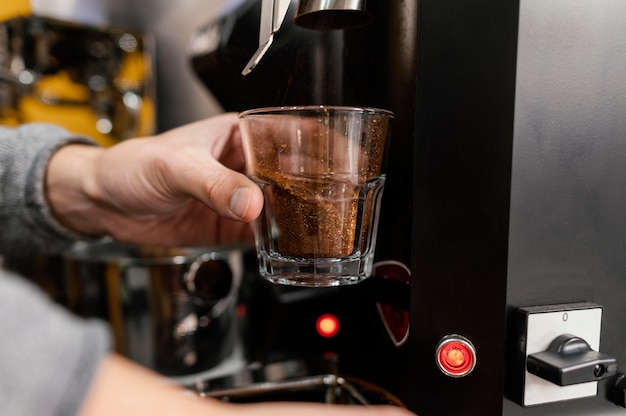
(327, 325)
(456, 356)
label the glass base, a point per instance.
(315, 273)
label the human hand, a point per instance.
(308, 409)
(182, 187)
(122, 387)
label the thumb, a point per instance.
(246, 203)
(231, 194)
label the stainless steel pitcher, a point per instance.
(171, 310)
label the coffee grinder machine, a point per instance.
(500, 276)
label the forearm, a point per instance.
(137, 391)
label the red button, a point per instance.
(456, 356)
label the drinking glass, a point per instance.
(322, 172)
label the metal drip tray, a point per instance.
(324, 388)
(290, 380)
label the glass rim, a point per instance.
(283, 110)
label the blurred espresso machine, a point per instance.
(64, 64)
(500, 281)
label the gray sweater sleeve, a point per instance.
(26, 224)
(47, 356)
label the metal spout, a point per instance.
(310, 14)
(272, 15)
(331, 14)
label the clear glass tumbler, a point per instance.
(322, 172)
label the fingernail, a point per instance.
(240, 201)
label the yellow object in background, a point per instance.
(57, 99)
(14, 8)
(96, 82)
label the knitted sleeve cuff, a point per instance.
(25, 215)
